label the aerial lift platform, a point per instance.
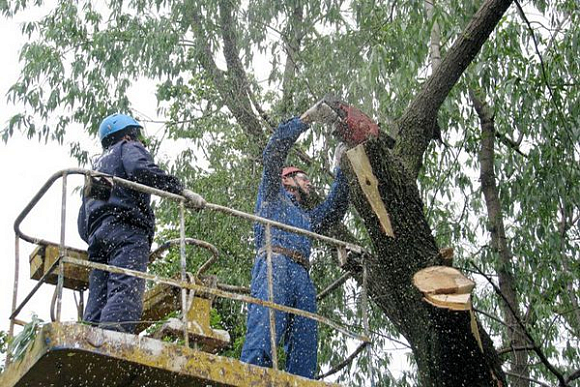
(77, 354)
(72, 354)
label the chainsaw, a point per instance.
(351, 125)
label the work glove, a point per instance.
(320, 112)
(193, 200)
(338, 152)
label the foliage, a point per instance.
(20, 343)
(84, 60)
(3, 347)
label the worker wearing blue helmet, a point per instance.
(118, 223)
(282, 194)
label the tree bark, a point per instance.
(444, 344)
(232, 85)
(292, 41)
(499, 244)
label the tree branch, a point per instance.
(239, 90)
(416, 123)
(491, 317)
(231, 85)
(497, 231)
(566, 128)
(535, 347)
(509, 349)
(291, 46)
(573, 376)
(513, 145)
(528, 379)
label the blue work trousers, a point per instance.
(292, 287)
(115, 301)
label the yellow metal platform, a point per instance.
(70, 354)
(44, 256)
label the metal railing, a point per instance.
(184, 284)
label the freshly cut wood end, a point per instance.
(442, 280)
(363, 170)
(450, 301)
(445, 287)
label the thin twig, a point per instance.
(544, 73)
(447, 173)
(344, 363)
(501, 351)
(536, 349)
(491, 317)
(573, 376)
(528, 379)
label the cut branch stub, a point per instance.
(445, 287)
(446, 255)
(370, 187)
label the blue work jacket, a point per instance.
(131, 161)
(275, 203)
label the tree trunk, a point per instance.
(447, 349)
(445, 345)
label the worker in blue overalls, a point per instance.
(281, 194)
(118, 223)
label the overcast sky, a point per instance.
(26, 164)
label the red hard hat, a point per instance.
(290, 170)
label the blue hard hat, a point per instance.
(114, 123)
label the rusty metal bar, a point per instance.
(81, 305)
(59, 287)
(341, 280)
(79, 171)
(283, 226)
(41, 281)
(183, 261)
(52, 305)
(234, 288)
(271, 312)
(215, 292)
(20, 322)
(167, 195)
(61, 248)
(15, 288)
(35, 199)
(188, 241)
(14, 295)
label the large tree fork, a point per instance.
(443, 340)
